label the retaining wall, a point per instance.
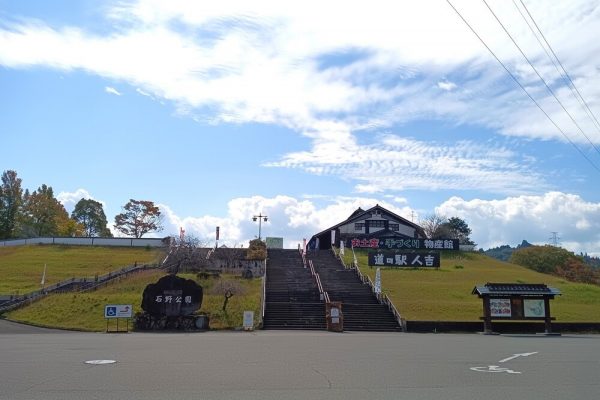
(86, 241)
(500, 327)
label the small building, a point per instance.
(374, 223)
(274, 242)
(516, 301)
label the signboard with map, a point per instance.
(534, 308)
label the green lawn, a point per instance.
(85, 311)
(445, 294)
(21, 267)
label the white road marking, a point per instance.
(494, 368)
(100, 362)
(517, 356)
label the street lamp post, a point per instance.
(260, 218)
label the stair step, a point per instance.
(292, 298)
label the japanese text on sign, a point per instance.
(172, 299)
(416, 244)
(500, 308)
(406, 260)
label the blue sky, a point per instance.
(305, 112)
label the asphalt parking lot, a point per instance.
(296, 365)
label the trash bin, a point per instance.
(201, 322)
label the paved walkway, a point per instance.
(9, 327)
(298, 365)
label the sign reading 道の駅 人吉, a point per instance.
(404, 259)
(405, 244)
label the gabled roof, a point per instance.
(360, 214)
(507, 289)
(358, 211)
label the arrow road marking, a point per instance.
(517, 356)
(494, 368)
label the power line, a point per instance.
(563, 74)
(540, 76)
(522, 87)
(572, 85)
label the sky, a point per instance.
(305, 111)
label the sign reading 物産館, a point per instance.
(404, 259)
(405, 244)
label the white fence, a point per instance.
(86, 241)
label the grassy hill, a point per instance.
(441, 295)
(85, 311)
(21, 267)
(445, 294)
(21, 270)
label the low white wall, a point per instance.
(80, 241)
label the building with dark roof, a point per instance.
(374, 223)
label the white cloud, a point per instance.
(112, 90)
(288, 217)
(69, 199)
(394, 163)
(446, 85)
(143, 93)
(494, 222)
(301, 64)
(533, 218)
(331, 69)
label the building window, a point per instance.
(394, 227)
(359, 226)
(376, 223)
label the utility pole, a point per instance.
(554, 239)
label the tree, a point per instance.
(557, 261)
(90, 214)
(575, 270)
(138, 218)
(545, 259)
(435, 227)
(11, 197)
(459, 229)
(43, 214)
(257, 250)
(66, 226)
(227, 288)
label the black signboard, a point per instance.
(172, 296)
(404, 259)
(404, 244)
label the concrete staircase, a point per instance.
(292, 298)
(361, 309)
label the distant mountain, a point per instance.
(556, 261)
(504, 252)
(593, 262)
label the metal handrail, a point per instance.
(323, 295)
(264, 295)
(383, 298)
(101, 280)
(387, 301)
